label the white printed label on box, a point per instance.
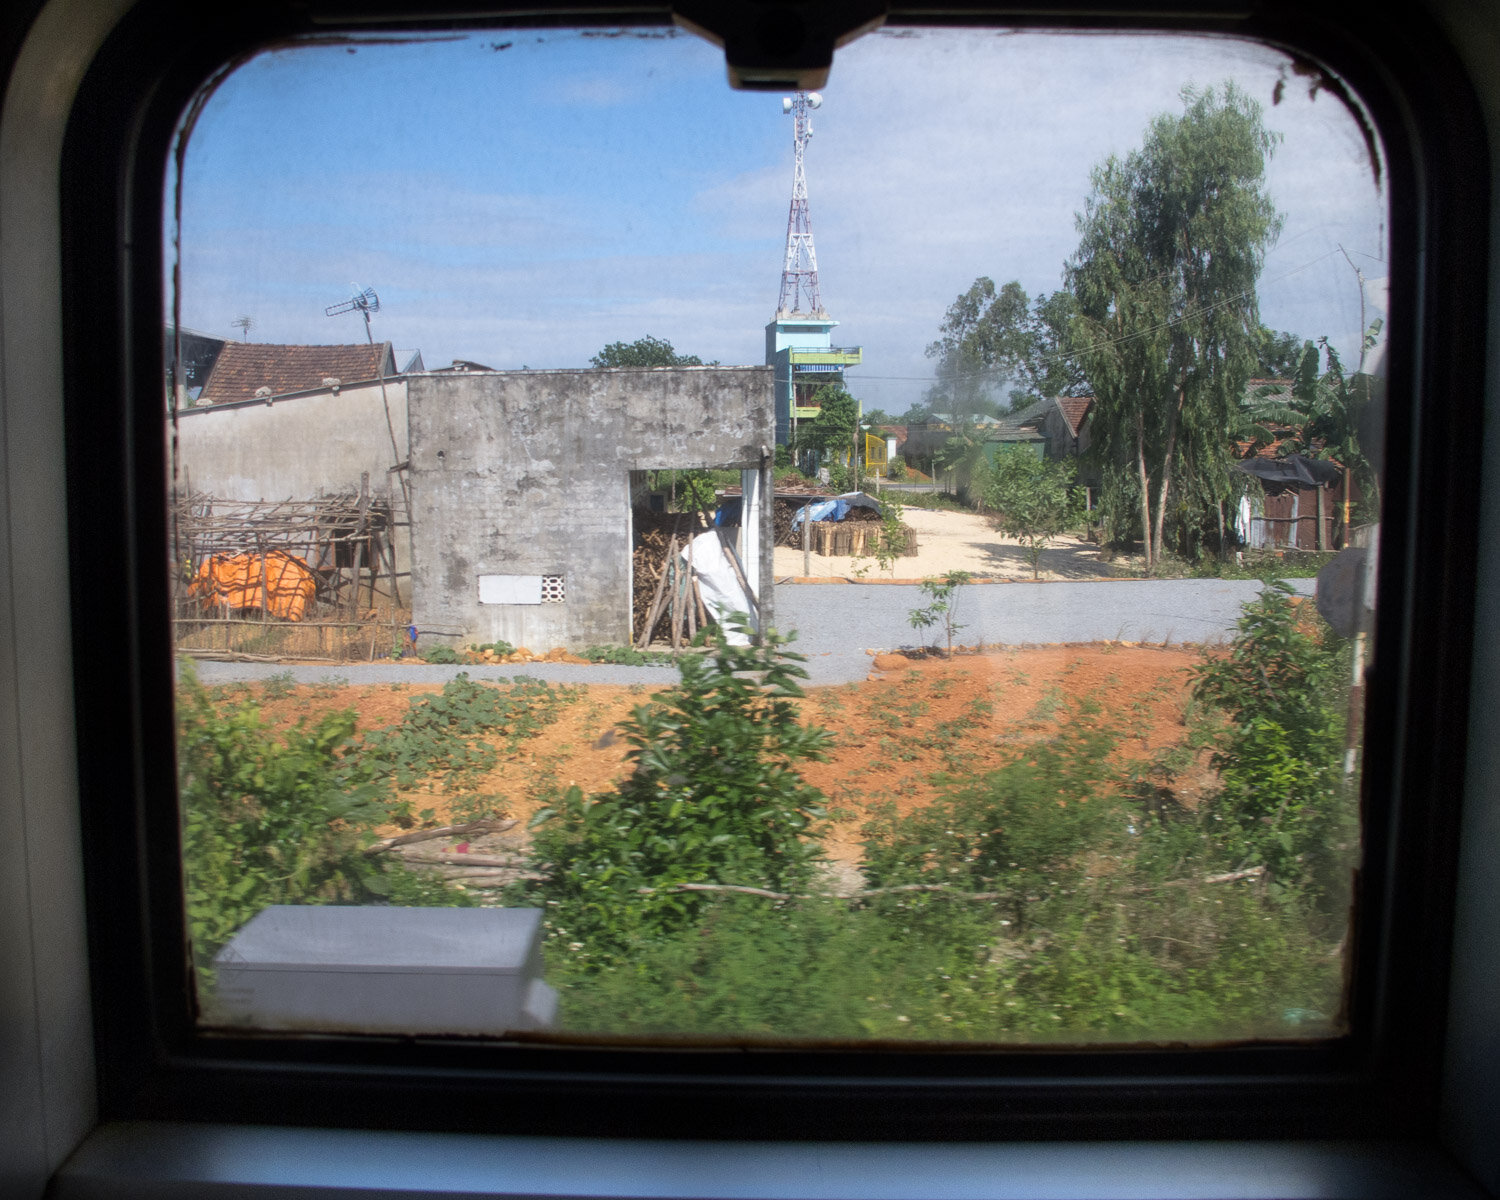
(510, 589)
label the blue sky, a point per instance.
(523, 198)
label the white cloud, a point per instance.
(935, 159)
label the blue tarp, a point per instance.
(836, 508)
(821, 510)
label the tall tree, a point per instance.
(644, 352)
(833, 427)
(1277, 355)
(994, 336)
(1171, 245)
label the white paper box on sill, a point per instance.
(386, 970)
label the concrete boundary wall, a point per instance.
(521, 479)
(299, 447)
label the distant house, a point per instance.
(1292, 507)
(255, 370)
(1054, 428)
(199, 353)
(277, 422)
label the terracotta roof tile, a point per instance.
(243, 368)
(1074, 410)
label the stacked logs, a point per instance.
(658, 538)
(787, 508)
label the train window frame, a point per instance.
(153, 1064)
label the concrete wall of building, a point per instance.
(523, 474)
(295, 447)
(299, 447)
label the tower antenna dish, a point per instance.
(799, 274)
(364, 301)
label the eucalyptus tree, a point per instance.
(1166, 325)
(992, 335)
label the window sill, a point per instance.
(124, 1161)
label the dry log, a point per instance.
(487, 825)
(445, 859)
(740, 890)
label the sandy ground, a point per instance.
(896, 736)
(952, 541)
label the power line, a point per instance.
(1106, 342)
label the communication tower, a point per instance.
(799, 277)
(799, 339)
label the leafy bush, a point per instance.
(896, 470)
(278, 686)
(1032, 498)
(1284, 803)
(1019, 832)
(274, 818)
(715, 797)
(501, 649)
(943, 591)
(443, 655)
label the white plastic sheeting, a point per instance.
(719, 586)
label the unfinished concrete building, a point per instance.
(522, 492)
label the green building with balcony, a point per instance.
(800, 348)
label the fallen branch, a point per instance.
(1230, 877)
(486, 825)
(444, 858)
(492, 877)
(737, 889)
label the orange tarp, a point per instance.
(234, 581)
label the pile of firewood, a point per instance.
(653, 533)
(787, 508)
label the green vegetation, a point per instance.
(1172, 242)
(714, 798)
(1284, 804)
(643, 352)
(628, 656)
(1055, 898)
(501, 649)
(459, 732)
(442, 655)
(279, 818)
(992, 335)
(943, 591)
(1033, 500)
(278, 686)
(1061, 895)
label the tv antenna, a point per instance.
(243, 324)
(363, 302)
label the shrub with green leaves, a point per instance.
(276, 818)
(715, 797)
(1032, 498)
(1020, 832)
(1284, 803)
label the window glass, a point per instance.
(887, 563)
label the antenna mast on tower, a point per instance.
(799, 277)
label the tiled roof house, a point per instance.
(244, 368)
